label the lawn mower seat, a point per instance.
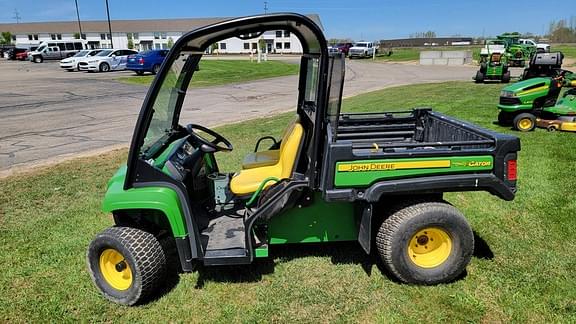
(270, 156)
(495, 58)
(247, 180)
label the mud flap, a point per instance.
(365, 228)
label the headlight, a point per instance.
(507, 94)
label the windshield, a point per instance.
(104, 53)
(81, 54)
(360, 45)
(41, 48)
(170, 95)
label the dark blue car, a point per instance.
(147, 61)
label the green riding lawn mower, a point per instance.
(493, 68)
(522, 103)
(516, 52)
(376, 179)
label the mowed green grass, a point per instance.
(218, 72)
(523, 273)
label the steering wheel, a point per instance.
(206, 145)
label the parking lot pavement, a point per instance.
(46, 113)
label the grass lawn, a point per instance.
(524, 273)
(217, 72)
(413, 53)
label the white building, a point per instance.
(146, 34)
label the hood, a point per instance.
(522, 85)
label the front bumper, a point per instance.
(89, 67)
(68, 65)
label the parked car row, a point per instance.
(105, 60)
(358, 49)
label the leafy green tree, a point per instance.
(130, 42)
(76, 35)
(170, 42)
(6, 38)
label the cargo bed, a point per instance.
(451, 155)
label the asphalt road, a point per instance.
(47, 114)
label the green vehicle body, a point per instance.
(493, 67)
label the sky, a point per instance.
(355, 19)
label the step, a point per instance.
(226, 241)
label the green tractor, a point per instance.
(522, 102)
(376, 179)
(494, 68)
(516, 52)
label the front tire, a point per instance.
(479, 78)
(126, 264)
(505, 118)
(425, 243)
(38, 59)
(506, 77)
(524, 122)
(104, 67)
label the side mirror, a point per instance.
(113, 55)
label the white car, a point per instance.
(541, 47)
(106, 60)
(362, 49)
(71, 63)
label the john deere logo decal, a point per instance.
(363, 167)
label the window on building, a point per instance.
(246, 46)
(157, 46)
(35, 36)
(163, 35)
(278, 33)
(108, 36)
(254, 46)
(164, 46)
(102, 36)
(59, 36)
(132, 35)
(83, 36)
(29, 37)
(286, 33)
(53, 36)
(13, 37)
(278, 45)
(156, 35)
(222, 46)
(286, 45)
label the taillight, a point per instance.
(512, 170)
(141, 61)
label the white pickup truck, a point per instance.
(540, 47)
(362, 49)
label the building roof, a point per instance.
(130, 26)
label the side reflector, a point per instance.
(512, 170)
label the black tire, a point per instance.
(479, 78)
(144, 259)
(524, 122)
(483, 67)
(505, 118)
(139, 72)
(155, 68)
(104, 67)
(70, 70)
(398, 231)
(38, 59)
(506, 77)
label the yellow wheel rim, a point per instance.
(525, 123)
(430, 247)
(115, 269)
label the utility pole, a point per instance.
(78, 15)
(17, 16)
(265, 7)
(109, 25)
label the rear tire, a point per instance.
(126, 264)
(104, 67)
(524, 122)
(425, 243)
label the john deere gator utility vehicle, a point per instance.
(517, 53)
(495, 68)
(373, 178)
(522, 102)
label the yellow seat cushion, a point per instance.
(260, 159)
(247, 181)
